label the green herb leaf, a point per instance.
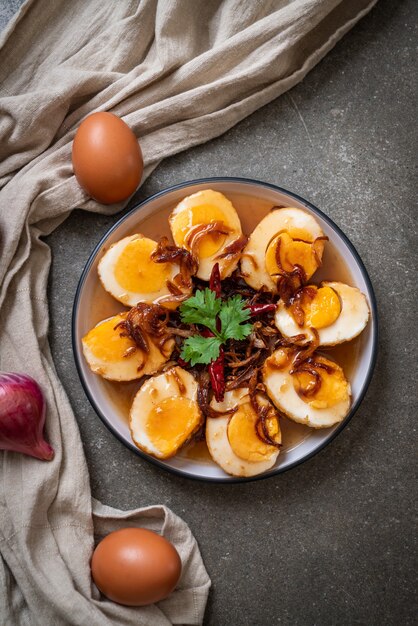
(198, 349)
(202, 308)
(232, 314)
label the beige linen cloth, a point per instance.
(179, 72)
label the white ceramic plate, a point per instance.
(252, 199)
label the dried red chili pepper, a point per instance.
(215, 280)
(217, 367)
(259, 309)
(216, 370)
(217, 376)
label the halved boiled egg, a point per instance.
(128, 272)
(283, 240)
(338, 313)
(232, 439)
(117, 357)
(165, 413)
(207, 224)
(316, 393)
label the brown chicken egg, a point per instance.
(107, 158)
(135, 567)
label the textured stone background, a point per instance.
(330, 542)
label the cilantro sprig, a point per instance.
(205, 308)
(202, 308)
(200, 349)
(232, 315)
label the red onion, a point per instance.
(22, 416)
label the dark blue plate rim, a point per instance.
(373, 304)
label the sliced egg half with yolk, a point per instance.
(207, 224)
(284, 239)
(317, 394)
(337, 311)
(232, 439)
(128, 272)
(116, 357)
(165, 413)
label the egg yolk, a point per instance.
(106, 343)
(135, 271)
(171, 422)
(333, 389)
(243, 439)
(322, 309)
(273, 429)
(200, 214)
(291, 252)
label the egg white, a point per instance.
(281, 390)
(253, 260)
(153, 391)
(129, 367)
(106, 271)
(350, 323)
(232, 221)
(218, 442)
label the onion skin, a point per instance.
(22, 416)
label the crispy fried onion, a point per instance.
(304, 361)
(239, 380)
(169, 253)
(236, 285)
(295, 303)
(200, 231)
(288, 283)
(188, 264)
(244, 357)
(311, 366)
(254, 357)
(203, 380)
(305, 351)
(145, 321)
(234, 249)
(264, 410)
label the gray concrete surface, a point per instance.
(330, 542)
